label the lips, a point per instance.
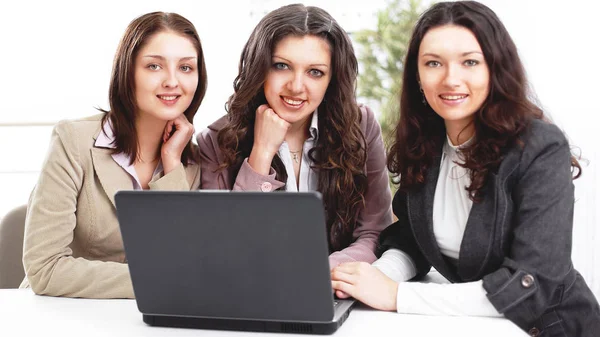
(292, 101)
(453, 97)
(169, 99)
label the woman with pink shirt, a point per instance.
(73, 244)
(293, 124)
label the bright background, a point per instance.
(56, 58)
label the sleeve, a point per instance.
(540, 253)
(396, 265)
(399, 235)
(175, 180)
(49, 229)
(458, 299)
(217, 179)
(376, 213)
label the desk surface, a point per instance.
(22, 313)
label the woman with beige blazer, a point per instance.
(73, 244)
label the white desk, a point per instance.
(22, 313)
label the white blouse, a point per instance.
(451, 208)
(309, 179)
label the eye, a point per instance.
(316, 73)
(433, 64)
(186, 69)
(471, 63)
(280, 66)
(153, 66)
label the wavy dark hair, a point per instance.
(121, 96)
(339, 156)
(499, 122)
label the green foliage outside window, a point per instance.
(381, 54)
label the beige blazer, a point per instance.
(72, 245)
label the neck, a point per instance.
(460, 131)
(149, 136)
(298, 133)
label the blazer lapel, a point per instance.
(420, 212)
(112, 177)
(479, 233)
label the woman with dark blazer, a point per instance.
(486, 194)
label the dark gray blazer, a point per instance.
(517, 240)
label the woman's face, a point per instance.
(166, 76)
(453, 74)
(298, 78)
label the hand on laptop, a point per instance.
(366, 284)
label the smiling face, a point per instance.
(299, 75)
(453, 75)
(166, 76)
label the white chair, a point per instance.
(12, 228)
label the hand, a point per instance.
(269, 134)
(176, 136)
(366, 284)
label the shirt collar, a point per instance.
(314, 126)
(106, 138)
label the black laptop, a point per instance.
(247, 261)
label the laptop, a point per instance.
(248, 261)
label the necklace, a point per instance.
(295, 155)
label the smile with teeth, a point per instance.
(168, 98)
(453, 97)
(291, 101)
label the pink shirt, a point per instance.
(372, 218)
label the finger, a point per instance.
(338, 275)
(341, 294)
(261, 108)
(167, 130)
(344, 287)
(348, 267)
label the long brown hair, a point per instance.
(499, 122)
(339, 156)
(121, 95)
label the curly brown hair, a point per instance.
(339, 155)
(498, 123)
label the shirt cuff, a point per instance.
(396, 265)
(250, 180)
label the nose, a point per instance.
(452, 76)
(296, 82)
(170, 80)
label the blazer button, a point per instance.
(527, 281)
(534, 332)
(266, 187)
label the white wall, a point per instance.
(56, 60)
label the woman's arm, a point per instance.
(540, 254)
(218, 179)
(49, 228)
(376, 214)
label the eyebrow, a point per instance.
(311, 65)
(463, 54)
(160, 57)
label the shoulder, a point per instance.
(209, 134)
(79, 130)
(207, 138)
(368, 124)
(541, 141)
(541, 136)
(542, 133)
